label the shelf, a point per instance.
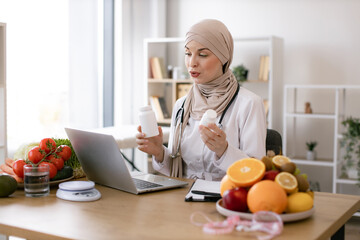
(312, 115)
(346, 181)
(294, 94)
(324, 163)
(256, 81)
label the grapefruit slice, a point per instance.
(287, 181)
(246, 172)
(279, 160)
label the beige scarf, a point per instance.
(215, 94)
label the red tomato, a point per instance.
(64, 151)
(52, 169)
(56, 160)
(47, 144)
(35, 155)
(18, 168)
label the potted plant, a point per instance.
(350, 146)
(240, 72)
(311, 153)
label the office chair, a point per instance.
(273, 142)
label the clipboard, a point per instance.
(204, 191)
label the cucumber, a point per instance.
(66, 172)
(8, 185)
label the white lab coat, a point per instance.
(245, 127)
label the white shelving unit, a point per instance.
(340, 108)
(247, 51)
(171, 51)
(3, 135)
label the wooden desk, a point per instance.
(160, 215)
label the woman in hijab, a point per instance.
(205, 152)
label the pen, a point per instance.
(206, 193)
(211, 198)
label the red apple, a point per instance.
(235, 199)
(270, 175)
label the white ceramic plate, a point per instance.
(288, 217)
(52, 183)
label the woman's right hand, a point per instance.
(152, 145)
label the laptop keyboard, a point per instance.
(142, 184)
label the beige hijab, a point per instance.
(215, 94)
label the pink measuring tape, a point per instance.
(262, 221)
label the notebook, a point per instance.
(204, 191)
(102, 162)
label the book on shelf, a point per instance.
(164, 108)
(157, 68)
(155, 105)
(264, 68)
(182, 89)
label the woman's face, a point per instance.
(202, 65)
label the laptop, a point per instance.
(103, 163)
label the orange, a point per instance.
(246, 172)
(279, 160)
(267, 195)
(226, 184)
(287, 181)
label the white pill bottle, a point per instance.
(208, 117)
(148, 122)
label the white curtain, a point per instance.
(53, 73)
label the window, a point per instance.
(53, 71)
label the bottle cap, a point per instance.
(210, 114)
(145, 108)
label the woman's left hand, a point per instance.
(214, 138)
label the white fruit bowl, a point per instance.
(287, 217)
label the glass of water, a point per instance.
(36, 180)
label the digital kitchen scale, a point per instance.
(78, 191)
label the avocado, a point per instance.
(66, 172)
(8, 185)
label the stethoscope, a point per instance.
(180, 114)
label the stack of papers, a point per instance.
(204, 191)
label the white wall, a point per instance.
(321, 38)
